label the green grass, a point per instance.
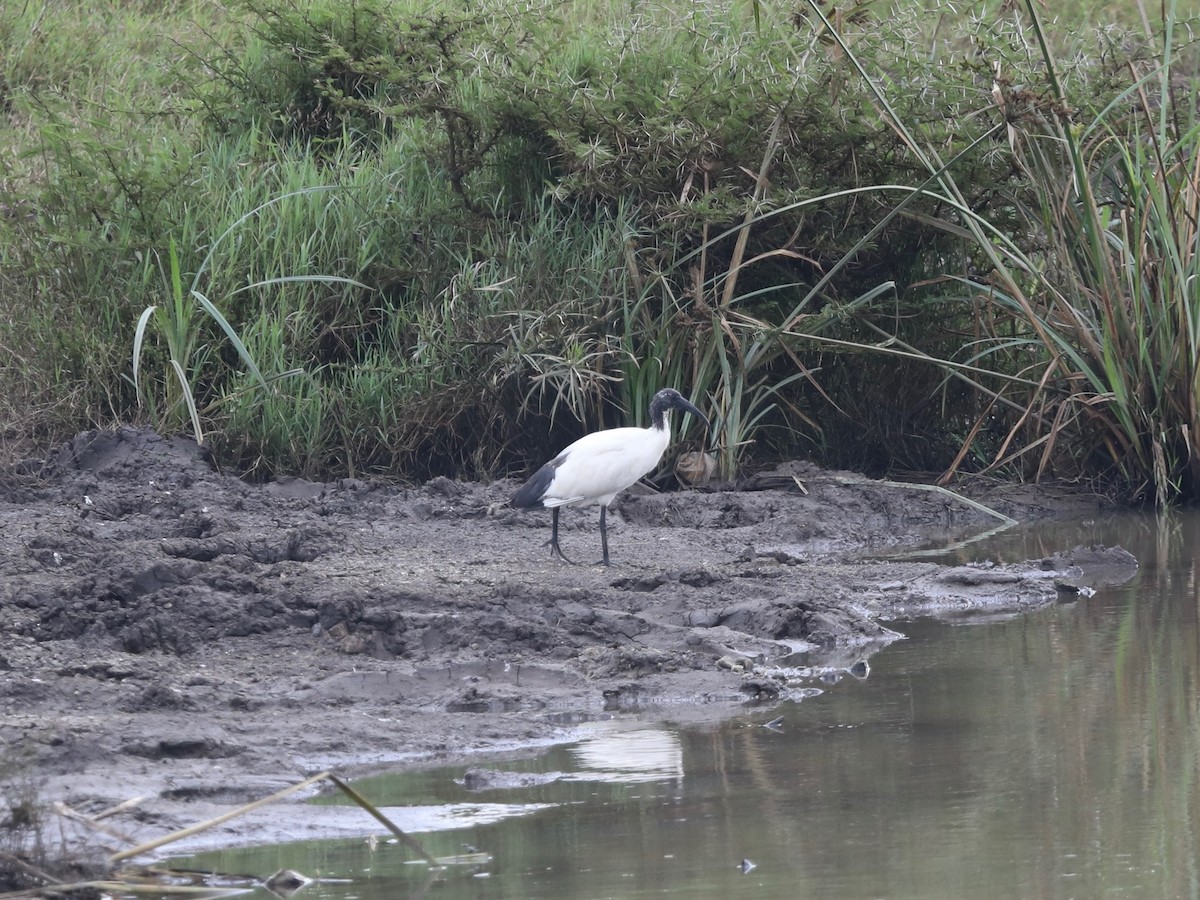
(1104, 301)
(449, 241)
(1088, 321)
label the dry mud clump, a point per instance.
(172, 632)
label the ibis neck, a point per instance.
(660, 416)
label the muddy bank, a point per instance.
(173, 633)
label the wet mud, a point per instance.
(172, 633)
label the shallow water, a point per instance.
(1054, 754)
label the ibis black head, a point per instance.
(669, 398)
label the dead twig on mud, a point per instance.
(935, 488)
(119, 808)
(224, 817)
(384, 820)
(124, 888)
(354, 795)
(91, 822)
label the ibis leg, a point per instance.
(604, 535)
(554, 548)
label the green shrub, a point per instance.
(471, 234)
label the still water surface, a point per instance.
(1051, 755)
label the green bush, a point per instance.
(452, 239)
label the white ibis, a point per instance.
(600, 465)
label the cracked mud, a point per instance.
(176, 634)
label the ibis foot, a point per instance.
(555, 550)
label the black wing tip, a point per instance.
(531, 492)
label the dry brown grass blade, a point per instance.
(1029, 412)
(1056, 428)
(91, 822)
(211, 823)
(934, 488)
(119, 808)
(967, 444)
(760, 191)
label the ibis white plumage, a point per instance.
(600, 465)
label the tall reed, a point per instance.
(1091, 312)
(1108, 290)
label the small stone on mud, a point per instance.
(495, 779)
(698, 578)
(157, 696)
(353, 643)
(736, 664)
(760, 689)
(702, 618)
(641, 584)
(286, 882)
